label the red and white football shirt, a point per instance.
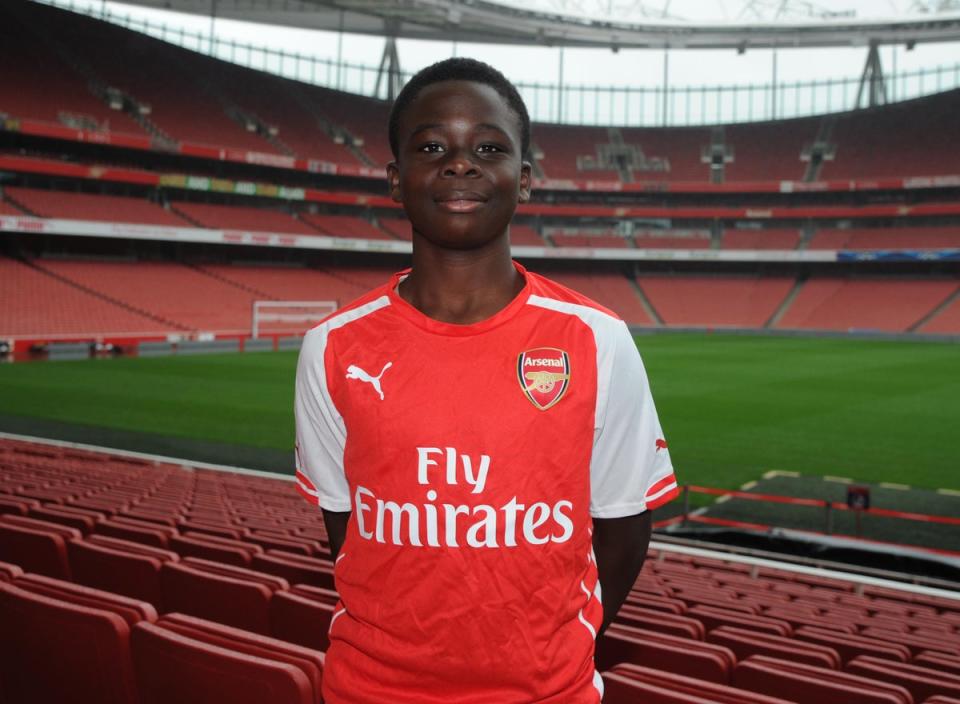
(472, 458)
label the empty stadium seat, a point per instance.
(296, 569)
(746, 642)
(52, 650)
(652, 686)
(120, 566)
(308, 660)
(230, 595)
(806, 683)
(849, 646)
(9, 571)
(171, 667)
(683, 656)
(922, 682)
(36, 546)
(299, 618)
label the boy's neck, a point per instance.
(461, 286)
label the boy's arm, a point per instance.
(620, 545)
(336, 523)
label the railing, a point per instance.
(632, 106)
(819, 516)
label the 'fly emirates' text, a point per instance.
(435, 525)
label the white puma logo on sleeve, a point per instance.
(355, 372)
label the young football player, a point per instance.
(482, 441)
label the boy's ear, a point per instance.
(526, 182)
(393, 181)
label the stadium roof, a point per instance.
(563, 23)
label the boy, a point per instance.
(482, 441)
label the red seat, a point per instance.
(130, 610)
(806, 683)
(120, 566)
(301, 619)
(922, 681)
(944, 643)
(682, 626)
(9, 572)
(683, 656)
(310, 661)
(56, 651)
(939, 699)
(744, 643)
(35, 549)
(675, 685)
(296, 569)
(221, 593)
(136, 531)
(850, 646)
(284, 543)
(714, 617)
(18, 507)
(618, 689)
(939, 661)
(171, 667)
(211, 547)
(81, 519)
(327, 596)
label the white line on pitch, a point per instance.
(948, 492)
(894, 485)
(748, 486)
(842, 480)
(780, 473)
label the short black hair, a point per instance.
(459, 69)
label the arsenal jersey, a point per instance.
(472, 459)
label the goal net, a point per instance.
(288, 317)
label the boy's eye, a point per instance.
(489, 148)
(432, 147)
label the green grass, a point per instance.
(732, 407)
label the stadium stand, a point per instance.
(743, 301)
(568, 237)
(211, 615)
(85, 206)
(611, 290)
(564, 148)
(760, 239)
(236, 217)
(865, 148)
(666, 239)
(768, 151)
(48, 305)
(892, 305)
(344, 226)
(679, 149)
(901, 237)
(362, 119)
(65, 99)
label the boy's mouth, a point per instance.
(461, 201)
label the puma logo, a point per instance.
(355, 372)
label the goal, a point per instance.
(288, 317)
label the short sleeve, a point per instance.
(630, 471)
(321, 433)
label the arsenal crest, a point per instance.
(544, 375)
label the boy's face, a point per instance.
(459, 171)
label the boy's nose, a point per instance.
(459, 164)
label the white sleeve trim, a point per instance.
(627, 461)
(321, 430)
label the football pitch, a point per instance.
(733, 407)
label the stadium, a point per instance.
(178, 206)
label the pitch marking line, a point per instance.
(948, 492)
(780, 473)
(841, 480)
(894, 485)
(748, 486)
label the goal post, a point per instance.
(288, 317)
